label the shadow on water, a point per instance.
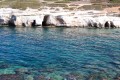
(45, 29)
(59, 30)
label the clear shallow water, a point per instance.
(57, 52)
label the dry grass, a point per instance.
(20, 4)
(57, 5)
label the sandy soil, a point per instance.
(113, 9)
(82, 3)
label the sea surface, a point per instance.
(60, 53)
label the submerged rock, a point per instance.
(74, 76)
(22, 71)
(28, 77)
(98, 76)
(47, 70)
(54, 76)
(4, 66)
(11, 77)
(117, 77)
(41, 77)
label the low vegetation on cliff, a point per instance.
(23, 4)
(20, 3)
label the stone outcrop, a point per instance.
(86, 19)
(49, 20)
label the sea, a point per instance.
(59, 54)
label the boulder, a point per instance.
(112, 25)
(33, 24)
(60, 21)
(107, 25)
(49, 21)
(12, 20)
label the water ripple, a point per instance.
(62, 49)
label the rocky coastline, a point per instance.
(58, 17)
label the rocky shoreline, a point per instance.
(58, 17)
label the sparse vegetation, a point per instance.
(62, 1)
(57, 5)
(20, 4)
(50, 0)
(115, 1)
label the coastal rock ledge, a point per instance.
(51, 18)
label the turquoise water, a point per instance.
(57, 52)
